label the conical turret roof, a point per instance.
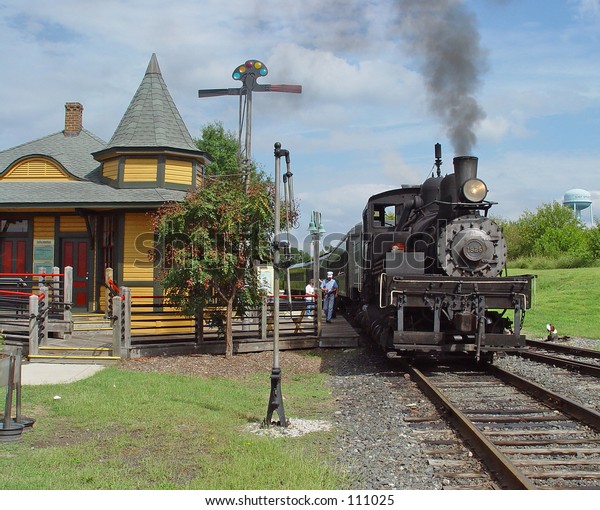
(152, 119)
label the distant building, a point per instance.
(71, 199)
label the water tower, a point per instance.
(579, 200)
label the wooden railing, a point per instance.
(34, 304)
(142, 320)
(24, 317)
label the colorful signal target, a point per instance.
(254, 67)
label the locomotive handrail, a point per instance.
(471, 205)
(444, 279)
(381, 293)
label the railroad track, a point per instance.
(450, 461)
(527, 437)
(584, 361)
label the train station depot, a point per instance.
(71, 199)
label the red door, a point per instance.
(75, 254)
(12, 255)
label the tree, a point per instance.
(594, 239)
(224, 151)
(542, 228)
(550, 231)
(211, 238)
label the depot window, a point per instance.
(14, 226)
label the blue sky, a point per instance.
(368, 117)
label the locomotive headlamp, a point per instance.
(474, 190)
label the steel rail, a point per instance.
(580, 366)
(504, 469)
(555, 401)
(567, 349)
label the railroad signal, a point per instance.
(255, 67)
(248, 73)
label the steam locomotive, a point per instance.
(423, 270)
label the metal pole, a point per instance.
(316, 229)
(275, 397)
(248, 134)
(276, 257)
(319, 308)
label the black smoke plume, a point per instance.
(443, 36)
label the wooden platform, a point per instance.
(338, 333)
(85, 344)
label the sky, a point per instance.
(515, 83)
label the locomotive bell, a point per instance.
(465, 168)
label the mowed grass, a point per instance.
(567, 298)
(132, 430)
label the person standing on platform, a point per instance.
(329, 287)
(309, 296)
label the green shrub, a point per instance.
(552, 237)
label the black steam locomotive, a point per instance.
(423, 271)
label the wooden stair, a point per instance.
(81, 355)
(90, 343)
(91, 322)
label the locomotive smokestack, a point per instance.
(465, 168)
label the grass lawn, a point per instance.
(567, 298)
(131, 430)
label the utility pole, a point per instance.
(248, 73)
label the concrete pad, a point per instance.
(34, 374)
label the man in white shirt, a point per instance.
(309, 296)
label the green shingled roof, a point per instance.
(152, 119)
(72, 152)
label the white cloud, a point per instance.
(588, 8)
(361, 124)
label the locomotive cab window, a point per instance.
(384, 215)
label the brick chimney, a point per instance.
(73, 118)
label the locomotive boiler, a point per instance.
(423, 270)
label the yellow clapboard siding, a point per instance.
(141, 300)
(110, 169)
(72, 224)
(43, 227)
(137, 243)
(37, 169)
(141, 295)
(159, 323)
(140, 170)
(178, 172)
